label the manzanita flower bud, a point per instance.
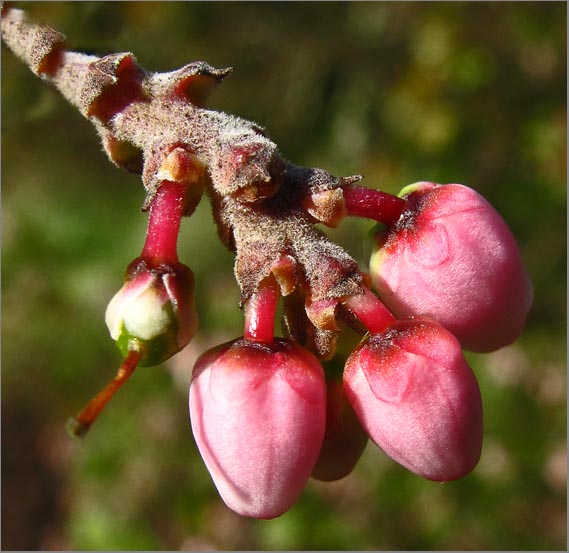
(417, 398)
(344, 440)
(258, 416)
(450, 256)
(154, 311)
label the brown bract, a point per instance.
(156, 124)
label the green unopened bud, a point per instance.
(154, 312)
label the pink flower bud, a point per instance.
(417, 398)
(451, 257)
(154, 312)
(258, 416)
(344, 441)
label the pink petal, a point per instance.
(258, 417)
(453, 258)
(418, 399)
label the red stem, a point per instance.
(164, 223)
(260, 312)
(370, 311)
(373, 204)
(80, 424)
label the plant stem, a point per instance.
(260, 312)
(373, 204)
(80, 424)
(164, 223)
(370, 311)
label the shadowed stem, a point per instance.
(373, 204)
(260, 312)
(164, 223)
(370, 311)
(80, 424)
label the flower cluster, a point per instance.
(451, 274)
(445, 275)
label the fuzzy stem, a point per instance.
(164, 223)
(260, 312)
(370, 311)
(373, 204)
(80, 424)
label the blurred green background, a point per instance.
(451, 92)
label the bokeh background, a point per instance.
(468, 92)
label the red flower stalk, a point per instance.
(414, 393)
(373, 204)
(153, 315)
(257, 409)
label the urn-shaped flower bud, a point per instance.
(154, 311)
(344, 440)
(258, 416)
(450, 256)
(417, 398)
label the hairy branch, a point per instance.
(152, 123)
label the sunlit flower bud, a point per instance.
(450, 256)
(258, 416)
(417, 398)
(154, 311)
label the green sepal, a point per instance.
(415, 187)
(154, 350)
